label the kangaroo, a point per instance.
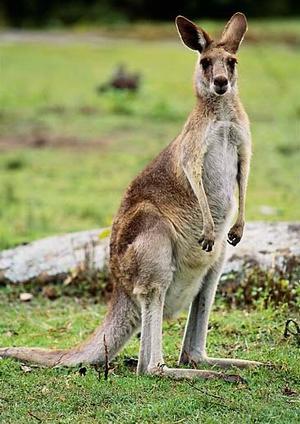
(168, 238)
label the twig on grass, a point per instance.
(106, 364)
(219, 398)
(34, 416)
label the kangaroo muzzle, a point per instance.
(220, 85)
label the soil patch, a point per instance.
(46, 141)
(137, 32)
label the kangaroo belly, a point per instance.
(190, 268)
(182, 291)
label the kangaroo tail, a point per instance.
(121, 321)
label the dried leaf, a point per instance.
(11, 333)
(234, 378)
(288, 391)
(45, 390)
(50, 292)
(82, 371)
(25, 368)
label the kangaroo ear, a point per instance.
(234, 32)
(192, 36)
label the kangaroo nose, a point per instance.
(220, 81)
(221, 84)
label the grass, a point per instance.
(48, 92)
(63, 395)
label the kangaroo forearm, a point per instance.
(195, 180)
(208, 223)
(236, 232)
(244, 166)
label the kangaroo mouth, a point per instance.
(220, 91)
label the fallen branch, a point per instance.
(226, 403)
(34, 416)
(53, 259)
(57, 258)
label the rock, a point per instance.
(26, 297)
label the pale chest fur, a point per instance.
(220, 167)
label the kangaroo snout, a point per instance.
(220, 84)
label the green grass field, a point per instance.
(48, 92)
(63, 396)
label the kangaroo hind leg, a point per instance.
(155, 274)
(193, 349)
(153, 251)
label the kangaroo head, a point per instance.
(216, 72)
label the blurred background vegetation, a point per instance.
(54, 12)
(68, 150)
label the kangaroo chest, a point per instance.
(220, 167)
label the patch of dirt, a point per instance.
(61, 110)
(44, 140)
(139, 32)
(290, 39)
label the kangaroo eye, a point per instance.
(205, 63)
(232, 62)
